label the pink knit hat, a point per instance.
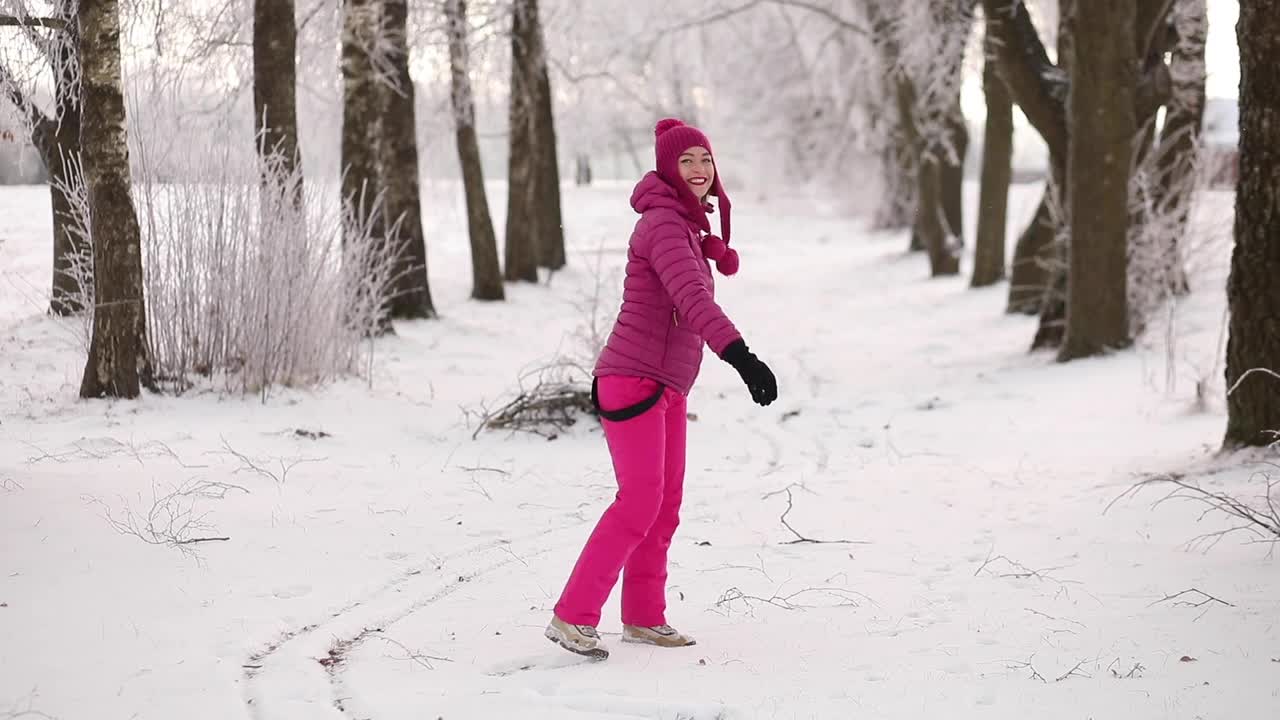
(673, 137)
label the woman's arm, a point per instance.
(679, 269)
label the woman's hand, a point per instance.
(758, 377)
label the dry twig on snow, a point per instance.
(172, 519)
(1258, 516)
(249, 464)
(845, 598)
(801, 539)
(549, 405)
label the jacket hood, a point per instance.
(652, 192)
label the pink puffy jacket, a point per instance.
(668, 304)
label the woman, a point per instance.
(642, 378)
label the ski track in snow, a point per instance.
(312, 689)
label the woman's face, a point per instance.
(697, 169)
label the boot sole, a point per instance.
(595, 653)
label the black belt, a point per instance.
(629, 412)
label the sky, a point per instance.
(1220, 51)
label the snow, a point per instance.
(986, 576)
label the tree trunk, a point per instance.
(57, 140)
(1029, 276)
(1102, 128)
(993, 195)
(1253, 295)
(952, 173)
(550, 221)
(931, 220)
(1180, 136)
(399, 171)
(275, 105)
(582, 170)
(486, 274)
(521, 247)
(904, 93)
(70, 248)
(362, 103)
(1036, 84)
(118, 362)
(1053, 306)
(898, 199)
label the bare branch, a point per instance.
(844, 598)
(1037, 85)
(1249, 372)
(172, 519)
(1073, 672)
(418, 657)
(1262, 521)
(30, 21)
(1207, 598)
(801, 539)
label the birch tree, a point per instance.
(118, 363)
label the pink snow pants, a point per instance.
(634, 534)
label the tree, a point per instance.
(57, 139)
(486, 275)
(275, 106)
(118, 360)
(522, 189)
(362, 103)
(1253, 295)
(993, 195)
(1178, 153)
(547, 213)
(1040, 88)
(398, 145)
(1102, 127)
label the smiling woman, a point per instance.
(698, 170)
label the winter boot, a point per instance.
(580, 639)
(660, 635)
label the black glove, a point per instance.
(758, 377)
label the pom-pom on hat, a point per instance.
(671, 139)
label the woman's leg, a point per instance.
(637, 448)
(644, 581)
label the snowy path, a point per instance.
(983, 578)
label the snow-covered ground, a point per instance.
(396, 568)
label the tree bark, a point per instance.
(522, 231)
(362, 103)
(486, 274)
(399, 171)
(118, 362)
(550, 221)
(898, 203)
(1253, 295)
(1180, 136)
(905, 99)
(1102, 128)
(900, 158)
(1053, 306)
(931, 220)
(1029, 275)
(993, 194)
(275, 104)
(1039, 89)
(952, 174)
(1036, 85)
